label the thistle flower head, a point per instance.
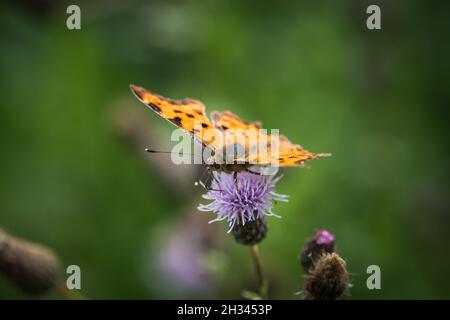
(324, 237)
(323, 241)
(251, 199)
(34, 268)
(328, 280)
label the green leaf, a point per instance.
(250, 295)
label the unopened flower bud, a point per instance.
(32, 267)
(323, 241)
(252, 232)
(328, 280)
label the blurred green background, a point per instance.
(73, 174)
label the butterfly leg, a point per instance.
(215, 179)
(235, 180)
(207, 184)
(257, 174)
(211, 177)
(200, 182)
(254, 172)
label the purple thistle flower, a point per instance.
(253, 198)
(323, 241)
(324, 237)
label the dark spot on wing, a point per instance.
(154, 107)
(139, 92)
(224, 127)
(177, 111)
(176, 121)
(204, 125)
(190, 115)
(199, 112)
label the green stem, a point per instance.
(263, 283)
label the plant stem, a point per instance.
(263, 285)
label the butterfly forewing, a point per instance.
(187, 114)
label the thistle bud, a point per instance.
(32, 267)
(328, 280)
(323, 241)
(252, 232)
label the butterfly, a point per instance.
(189, 115)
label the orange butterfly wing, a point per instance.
(287, 155)
(293, 155)
(228, 120)
(187, 114)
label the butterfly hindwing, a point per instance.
(284, 153)
(228, 120)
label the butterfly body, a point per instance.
(226, 132)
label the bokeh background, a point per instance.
(73, 174)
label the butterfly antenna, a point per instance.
(155, 151)
(166, 152)
(324, 154)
